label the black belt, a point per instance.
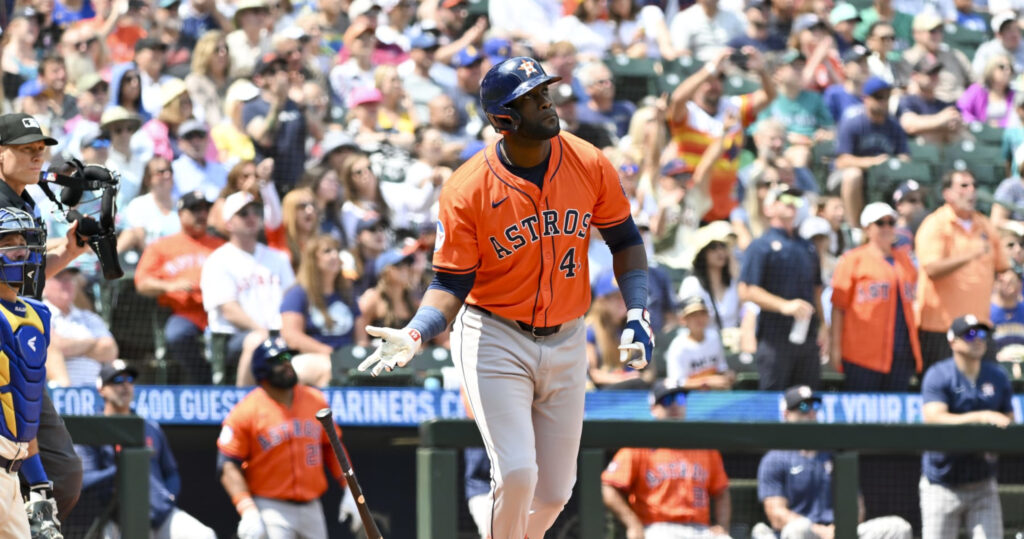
(532, 330)
(10, 466)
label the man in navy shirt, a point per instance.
(757, 34)
(961, 488)
(117, 387)
(921, 113)
(866, 138)
(782, 275)
(602, 108)
(796, 487)
(840, 98)
(276, 124)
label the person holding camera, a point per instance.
(695, 116)
(23, 150)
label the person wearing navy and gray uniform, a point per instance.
(961, 488)
(796, 487)
(782, 275)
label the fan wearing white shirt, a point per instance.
(696, 359)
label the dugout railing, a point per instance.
(132, 483)
(441, 441)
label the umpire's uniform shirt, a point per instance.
(785, 265)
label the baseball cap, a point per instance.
(904, 189)
(89, 81)
(1000, 19)
(191, 126)
(814, 226)
(361, 7)
(235, 202)
(359, 26)
(336, 140)
(424, 40)
(926, 21)
(111, 370)
(676, 167)
(797, 395)
(362, 95)
(562, 94)
(170, 91)
(367, 223)
(242, 90)
(269, 62)
(928, 64)
(498, 49)
(875, 211)
(874, 85)
(664, 388)
(711, 232)
(779, 192)
(965, 323)
(855, 53)
(843, 12)
(192, 200)
(117, 114)
(604, 284)
(391, 257)
(806, 22)
(150, 43)
(448, 4)
(692, 304)
(467, 57)
(20, 128)
(247, 5)
(94, 138)
(1013, 227)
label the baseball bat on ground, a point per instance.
(369, 525)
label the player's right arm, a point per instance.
(616, 502)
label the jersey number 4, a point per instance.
(568, 263)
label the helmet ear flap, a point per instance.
(509, 121)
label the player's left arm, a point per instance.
(168, 465)
(41, 505)
(61, 251)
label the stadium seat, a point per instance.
(344, 367)
(217, 353)
(883, 179)
(823, 153)
(739, 85)
(663, 339)
(635, 78)
(984, 162)
(675, 72)
(986, 135)
(964, 40)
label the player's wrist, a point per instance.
(243, 503)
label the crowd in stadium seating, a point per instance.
(281, 162)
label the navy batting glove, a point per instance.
(637, 342)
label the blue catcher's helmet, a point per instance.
(20, 263)
(504, 83)
(268, 350)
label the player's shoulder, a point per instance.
(36, 305)
(310, 394)
(250, 405)
(572, 145)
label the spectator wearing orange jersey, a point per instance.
(959, 253)
(169, 270)
(662, 493)
(873, 291)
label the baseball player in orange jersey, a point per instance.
(271, 454)
(665, 493)
(511, 270)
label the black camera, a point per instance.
(738, 59)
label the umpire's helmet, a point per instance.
(267, 351)
(505, 82)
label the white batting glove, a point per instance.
(251, 526)
(396, 350)
(349, 510)
(637, 342)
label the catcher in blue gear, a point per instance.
(24, 338)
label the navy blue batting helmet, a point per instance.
(504, 83)
(262, 356)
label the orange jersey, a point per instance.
(528, 246)
(281, 449)
(966, 290)
(693, 134)
(668, 485)
(864, 287)
(179, 256)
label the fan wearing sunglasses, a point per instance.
(796, 487)
(959, 390)
(665, 492)
(873, 309)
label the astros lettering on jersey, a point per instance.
(528, 245)
(281, 449)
